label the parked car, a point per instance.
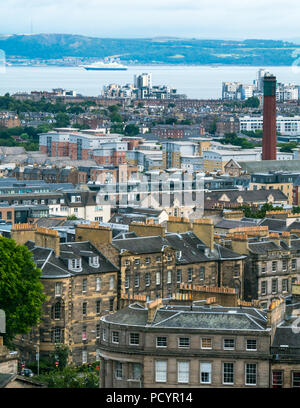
(27, 372)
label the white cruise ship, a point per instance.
(106, 65)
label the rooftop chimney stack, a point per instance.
(269, 121)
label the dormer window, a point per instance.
(75, 265)
(94, 261)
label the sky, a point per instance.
(215, 19)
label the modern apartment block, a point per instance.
(105, 150)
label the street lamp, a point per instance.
(37, 357)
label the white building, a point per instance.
(286, 125)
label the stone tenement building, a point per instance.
(272, 264)
(208, 346)
(80, 284)
(153, 262)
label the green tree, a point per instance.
(252, 102)
(60, 354)
(70, 377)
(131, 130)
(21, 290)
(62, 120)
(213, 127)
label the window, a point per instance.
(158, 259)
(183, 371)
(263, 287)
(147, 261)
(277, 379)
(97, 355)
(98, 306)
(202, 273)
(84, 308)
(169, 277)
(119, 370)
(236, 271)
(57, 335)
(250, 374)
(127, 262)
(137, 280)
(83, 333)
(84, 285)
(147, 279)
(98, 331)
(263, 268)
(228, 344)
(206, 343)
(57, 310)
(161, 341)
(184, 342)
(157, 278)
(284, 264)
(75, 264)
(190, 275)
(274, 266)
(98, 284)
(274, 285)
(104, 335)
(284, 285)
(134, 339)
(127, 281)
(178, 276)
(115, 337)
(94, 261)
(111, 283)
(205, 373)
(160, 371)
(294, 264)
(228, 373)
(111, 304)
(136, 371)
(136, 261)
(84, 356)
(251, 344)
(58, 288)
(296, 379)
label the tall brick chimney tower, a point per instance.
(269, 123)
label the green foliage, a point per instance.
(117, 128)
(131, 130)
(252, 102)
(258, 133)
(70, 377)
(72, 217)
(296, 209)
(213, 127)
(171, 121)
(60, 354)
(62, 120)
(21, 290)
(258, 212)
(287, 147)
(232, 138)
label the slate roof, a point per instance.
(192, 249)
(261, 196)
(270, 165)
(274, 225)
(228, 224)
(57, 267)
(200, 317)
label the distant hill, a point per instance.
(163, 50)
